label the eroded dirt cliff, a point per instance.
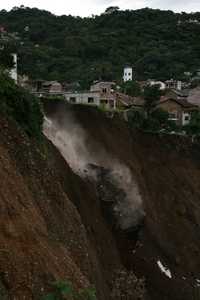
(43, 236)
(62, 224)
(164, 247)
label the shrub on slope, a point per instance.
(23, 107)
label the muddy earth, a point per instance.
(107, 206)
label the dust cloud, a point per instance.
(73, 142)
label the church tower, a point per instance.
(128, 74)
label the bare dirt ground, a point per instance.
(53, 224)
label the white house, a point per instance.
(105, 87)
(101, 93)
(83, 97)
(162, 85)
(174, 84)
(128, 74)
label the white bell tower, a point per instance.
(13, 71)
(128, 74)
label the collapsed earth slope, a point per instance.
(164, 245)
(43, 237)
(64, 224)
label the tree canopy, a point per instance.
(21, 106)
(151, 95)
(156, 43)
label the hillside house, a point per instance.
(52, 87)
(174, 84)
(162, 85)
(105, 87)
(42, 87)
(194, 96)
(86, 97)
(125, 102)
(178, 94)
(179, 110)
(101, 93)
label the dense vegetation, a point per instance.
(21, 106)
(157, 43)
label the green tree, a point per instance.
(131, 88)
(111, 9)
(161, 115)
(21, 106)
(152, 95)
(6, 60)
(136, 118)
(69, 48)
(194, 126)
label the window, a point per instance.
(72, 99)
(90, 100)
(186, 118)
(104, 90)
(173, 116)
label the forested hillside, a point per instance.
(159, 44)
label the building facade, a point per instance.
(174, 84)
(162, 85)
(100, 94)
(128, 74)
(179, 111)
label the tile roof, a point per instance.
(183, 102)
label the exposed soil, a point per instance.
(43, 237)
(167, 169)
(54, 225)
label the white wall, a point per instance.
(128, 74)
(13, 71)
(108, 101)
(179, 85)
(186, 116)
(160, 83)
(82, 98)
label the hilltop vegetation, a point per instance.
(157, 43)
(21, 106)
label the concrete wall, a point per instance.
(107, 101)
(83, 98)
